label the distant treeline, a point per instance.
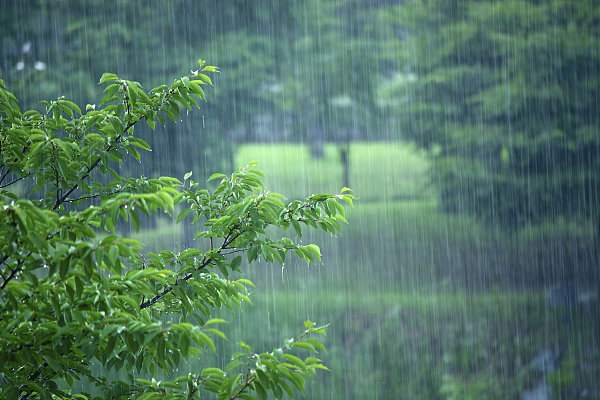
(503, 95)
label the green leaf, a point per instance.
(108, 77)
(184, 214)
(204, 339)
(215, 176)
(236, 262)
(312, 251)
(214, 321)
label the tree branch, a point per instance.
(91, 196)
(13, 181)
(3, 260)
(235, 250)
(93, 166)
(4, 174)
(205, 262)
(12, 274)
(110, 147)
(249, 380)
(34, 376)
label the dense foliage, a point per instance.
(506, 94)
(258, 45)
(292, 69)
(76, 297)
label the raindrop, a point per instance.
(26, 47)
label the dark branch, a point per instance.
(88, 171)
(169, 289)
(92, 167)
(234, 250)
(4, 175)
(91, 196)
(12, 274)
(249, 380)
(3, 260)
(205, 262)
(13, 181)
(110, 147)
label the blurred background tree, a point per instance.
(506, 94)
(300, 70)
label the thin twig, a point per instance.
(234, 251)
(13, 181)
(249, 380)
(110, 147)
(12, 274)
(4, 174)
(92, 196)
(55, 170)
(34, 376)
(3, 260)
(205, 262)
(64, 197)
(91, 168)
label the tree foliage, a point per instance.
(505, 94)
(293, 61)
(75, 294)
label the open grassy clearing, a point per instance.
(402, 244)
(378, 170)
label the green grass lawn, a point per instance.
(406, 343)
(378, 170)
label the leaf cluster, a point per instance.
(75, 293)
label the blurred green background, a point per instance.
(469, 130)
